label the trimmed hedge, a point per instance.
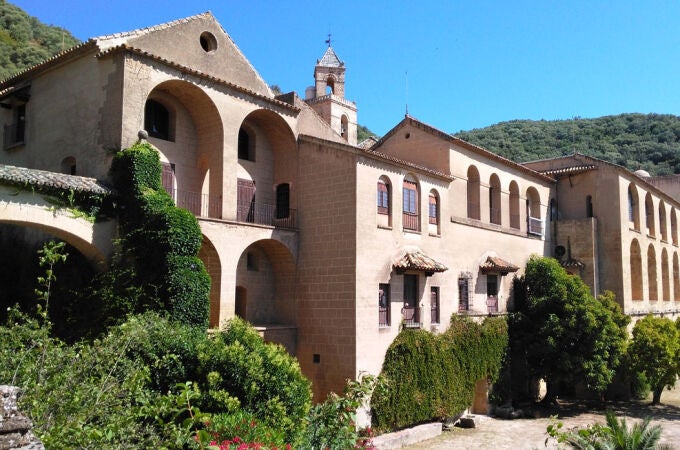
(160, 242)
(432, 377)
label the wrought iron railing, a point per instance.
(264, 214)
(383, 316)
(200, 205)
(410, 315)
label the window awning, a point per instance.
(494, 264)
(415, 259)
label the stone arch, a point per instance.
(211, 260)
(473, 197)
(649, 215)
(533, 211)
(514, 205)
(195, 144)
(636, 271)
(495, 212)
(663, 228)
(652, 278)
(344, 126)
(674, 227)
(68, 165)
(384, 193)
(665, 276)
(676, 277)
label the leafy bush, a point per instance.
(433, 376)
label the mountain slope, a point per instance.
(25, 41)
(635, 141)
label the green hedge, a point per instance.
(160, 241)
(432, 377)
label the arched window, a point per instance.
(514, 205)
(652, 278)
(665, 276)
(330, 85)
(68, 165)
(674, 227)
(589, 206)
(383, 196)
(246, 145)
(663, 229)
(636, 271)
(433, 212)
(157, 120)
(473, 193)
(533, 206)
(633, 207)
(649, 214)
(411, 216)
(495, 199)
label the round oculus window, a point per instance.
(208, 42)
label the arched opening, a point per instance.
(652, 278)
(636, 271)
(384, 201)
(411, 213)
(473, 206)
(533, 207)
(265, 294)
(495, 199)
(272, 168)
(665, 276)
(663, 229)
(330, 85)
(68, 165)
(192, 142)
(674, 227)
(633, 208)
(676, 277)
(433, 212)
(514, 205)
(211, 260)
(246, 144)
(344, 126)
(649, 215)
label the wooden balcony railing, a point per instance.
(411, 222)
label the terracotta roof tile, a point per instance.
(38, 178)
(415, 259)
(494, 264)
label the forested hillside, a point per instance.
(25, 41)
(635, 141)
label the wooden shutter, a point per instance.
(167, 176)
(245, 202)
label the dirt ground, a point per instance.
(529, 434)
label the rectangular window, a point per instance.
(434, 305)
(383, 198)
(492, 293)
(15, 133)
(384, 305)
(464, 294)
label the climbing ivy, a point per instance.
(159, 245)
(432, 377)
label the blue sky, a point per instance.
(458, 64)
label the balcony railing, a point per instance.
(263, 214)
(411, 222)
(492, 304)
(383, 316)
(200, 205)
(534, 226)
(410, 315)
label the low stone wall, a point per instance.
(409, 436)
(15, 427)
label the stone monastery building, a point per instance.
(327, 245)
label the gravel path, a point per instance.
(528, 434)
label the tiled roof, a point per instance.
(415, 259)
(38, 178)
(330, 59)
(569, 170)
(571, 262)
(393, 159)
(494, 264)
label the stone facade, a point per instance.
(15, 427)
(327, 247)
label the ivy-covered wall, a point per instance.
(159, 243)
(432, 376)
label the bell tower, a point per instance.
(327, 96)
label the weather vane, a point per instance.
(328, 41)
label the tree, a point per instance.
(654, 351)
(561, 331)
